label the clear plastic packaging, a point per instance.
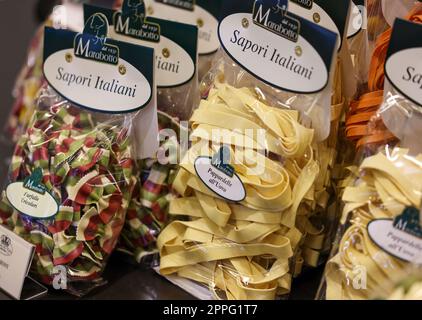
(26, 88)
(380, 230)
(148, 209)
(85, 161)
(148, 212)
(359, 265)
(359, 44)
(221, 248)
(376, 21)
(72, 173)
(331, 153)
(67, 14)
(408, 287)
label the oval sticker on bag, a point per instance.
(356, 20)
(83, 83)
(31, 197)
(174, 66)
(207, 23)
(220, 177)
(404, 70)
(98, 73)
(401, 237)
(288, 65)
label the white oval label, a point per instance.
(206, 22)
(227, 187)
(31, 203)
(97, 86)
(174, 70)
(272, 58)
(356, 20)
(404, 71)
(316, 15)
(395, 242)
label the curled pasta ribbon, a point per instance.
(239, 111)
(363, 126)
(87, 168)
(409, 287)
(318, 210)
(386, 186)
(241, 250)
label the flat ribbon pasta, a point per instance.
(386, 186)
(241, 250)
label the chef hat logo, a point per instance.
(97, 25)
(135, 9)
(5, 245)
(409, 222)
(5, 240)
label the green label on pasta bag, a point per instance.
(31, 197)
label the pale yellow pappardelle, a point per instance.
(385, 185)
(243, 250)
(414, 292)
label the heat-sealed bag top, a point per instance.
(175, 46)
(71, 177)
(360, 129)
(201, 13)
(380, 236)
(251, 172)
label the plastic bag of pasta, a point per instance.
(201, 13)
(175, 46)
(408, 287)
(381, 232)
(251, 172)
(67, 15)
(322, 220)
(71, 177)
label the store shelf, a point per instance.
(130, 282)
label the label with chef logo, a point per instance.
(201, 13)
(6, 247)
(182, 4)
(131, 22)
(98, 73)
(219, 176)
(175, 44)
(326, 13)
(304, 3)
(358, 19)
(31, 197)
(403, 67)
(400, 237)
(276, 46)
(15, 259)
(275, 18)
